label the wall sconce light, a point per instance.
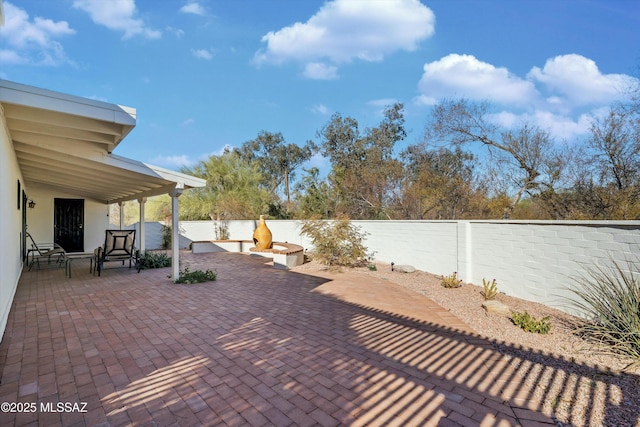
(31, 204)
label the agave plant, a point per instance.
(609, 299)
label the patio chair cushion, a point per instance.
(119, 245)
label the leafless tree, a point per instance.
(524, 155)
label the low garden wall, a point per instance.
(285, 255)
(534, 260)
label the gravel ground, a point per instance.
(577, 384)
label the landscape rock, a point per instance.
(497, 307)
(404, 268)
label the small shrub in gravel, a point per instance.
(451, 281)
(529, 323)
(490, 290)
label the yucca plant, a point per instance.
(609, 299)
(490, 289)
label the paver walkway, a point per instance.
(257, 347)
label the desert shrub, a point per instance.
(221, 228)
(529, 323)
(608, 298)
(451, 281)
(337, 242)
(196, 276)
(166, 236)
(150, 260)
(490, 290)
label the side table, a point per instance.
(71, 257)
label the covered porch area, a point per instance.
(61, 150)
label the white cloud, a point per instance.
(179, 33)
(465, 76)
(576, 80)
(11, 57)
(317, 160)
(560, 126)
(320, 71)
(562, 97)
(117, 15)
(320, 109)
(344, 30)
(177, 161)
(194, 8)
(32, 41)
(202, 53)
(563, 127)
(188, 122)
(382, 102)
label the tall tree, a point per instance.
(615, 148)
(525, 155)
(233, 190)
(277, 160)
(439, 184)
(364, 171)
(313, 196)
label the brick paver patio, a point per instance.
(257, 347)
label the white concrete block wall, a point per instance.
(534, 260)
(539, 261)
(428, 246)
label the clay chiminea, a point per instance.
(262, 235)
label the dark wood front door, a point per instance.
(68, 224)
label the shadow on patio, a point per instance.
(267, 347)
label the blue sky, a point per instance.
(209, 73)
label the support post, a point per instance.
(175, 233)
(142, 201)
(121, 206)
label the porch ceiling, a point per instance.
(65, 142)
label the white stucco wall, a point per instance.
(40, 219)
(10, 223)
(534, 260)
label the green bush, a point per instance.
(150, 260)
(451, 281)
(197, 276)
(490, 289)
(167, 233)
(337, 242)
(609, 300)
(529, 323)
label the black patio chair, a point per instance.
(119, 245)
